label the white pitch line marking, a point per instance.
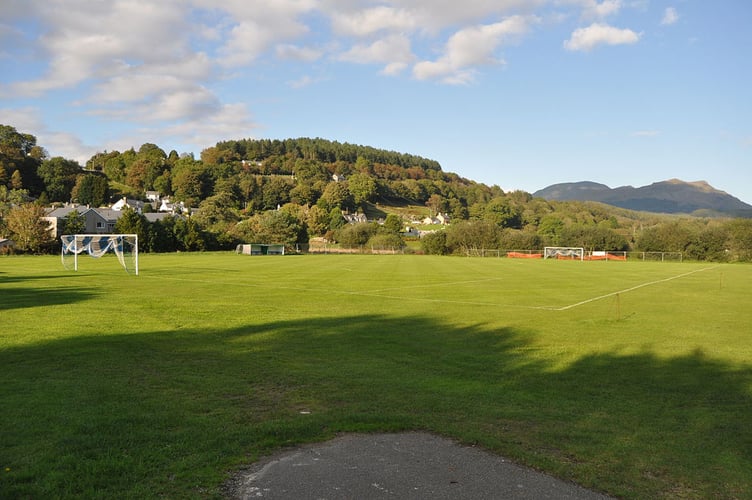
(636, 287)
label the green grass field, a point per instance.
(634, 379)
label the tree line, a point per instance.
(293, 190)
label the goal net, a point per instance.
(124, 246)
(564, 253)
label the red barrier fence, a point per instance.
(520, 255)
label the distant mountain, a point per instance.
(671, 196)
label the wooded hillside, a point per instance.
(292, 190)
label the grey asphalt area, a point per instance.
(411, 465)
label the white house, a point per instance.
(167, 206)
(355, 218)
(439, 219)
(153, 196)
(136, 205)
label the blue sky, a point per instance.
(517, 93)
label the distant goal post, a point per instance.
(124, 246)
(564, 253)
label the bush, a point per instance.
(386, 241)
(434, 243)
(355, 235)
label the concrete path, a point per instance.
(410, 465)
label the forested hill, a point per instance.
(320, 150)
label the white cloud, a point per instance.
(193, 135)
(394, 51)
(369, 21)
(670, 16)
(295, 53)
(151, 68)
(470, 47)
(245, 43)
(146, 81)
(65, 144)
(192, 103)
(230, 120)
(257, 25)
(84, 40)
(25, 120)
(435, 15)
(592, 9)
(585, 39)
(606, 8)
(394, 68)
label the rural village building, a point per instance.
(439, 219)
(6, 245)
(98, 220)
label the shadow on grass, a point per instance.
(25, 297)
(168, 413)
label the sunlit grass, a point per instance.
(162, 384)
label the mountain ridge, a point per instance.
(673, 196)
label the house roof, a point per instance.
(108, 213)
(62, 212)
(155, 216)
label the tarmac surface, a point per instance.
(411, 465)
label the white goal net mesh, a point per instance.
(564, 253)
(124, 246)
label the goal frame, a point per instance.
(556, 252)
(77, 250)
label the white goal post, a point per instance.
(565, 253)
(124, 246)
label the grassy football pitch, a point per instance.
(631, 378)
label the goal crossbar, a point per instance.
(97, 245)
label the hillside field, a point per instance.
(630, 378)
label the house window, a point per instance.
(100, 225)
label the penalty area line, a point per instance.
(636, 287)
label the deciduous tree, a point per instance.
(27, 229)
(59, 176)
(272, 226)
(19, 151)
(503, 212)
(355, 235)
(91, 189)
(473, 235)
(131, 222)
(393, 223)
(362, 187)
(435, 243)
(75, 223)
(336, 196)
